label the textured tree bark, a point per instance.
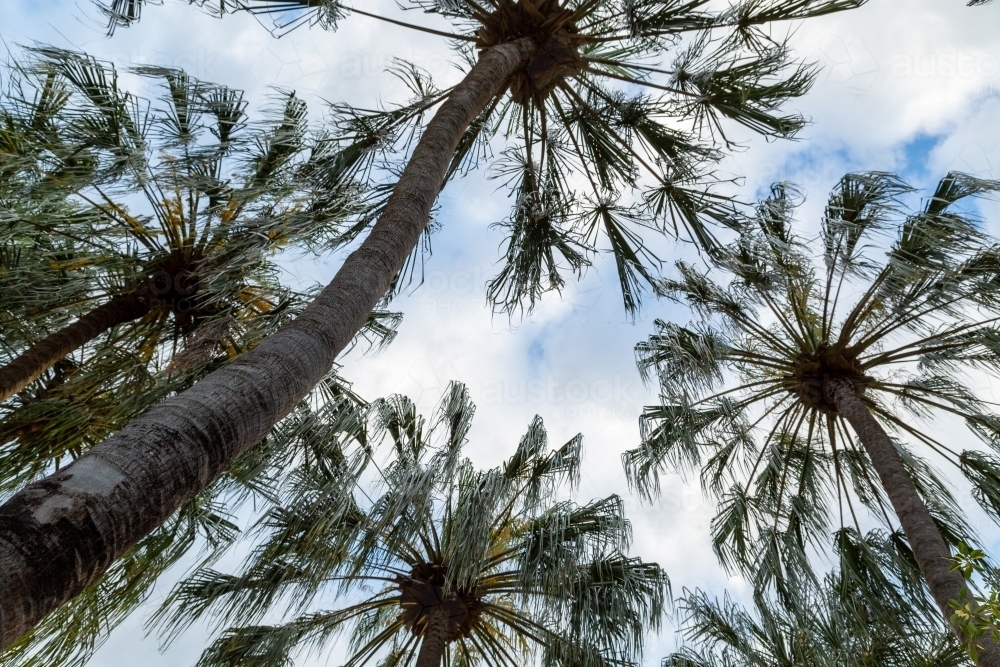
(61, 533)
(925, 539)
(435, 639)
(41, 356)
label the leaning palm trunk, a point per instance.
(44, 354)
(58, 535)
(925, 539)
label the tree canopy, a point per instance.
(179, 207)
(854, 616)
(744, 398)
(494, 559)
(599, 143)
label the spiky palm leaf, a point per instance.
(180, 204)
(314, 439)
(853, 617)
(596, 114)
(492, 558)
(745, 393)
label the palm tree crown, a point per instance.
(175, 210)
(854, 616)
(466, 565)
(747, 394)
(178, 207)
(592, 114)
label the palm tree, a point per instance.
(313, 436)
(199, 261)
(808, 370)
(435, 560)
(862, 615)
(567, 114)
(81, 150)
(68, 186)
(548, 55)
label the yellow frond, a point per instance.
(229, 212)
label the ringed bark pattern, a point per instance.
(58, 535)
(434, 640)
(44, 354)
(925, 539)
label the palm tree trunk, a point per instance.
(922, 533)
(60, 534)
(435, 639)
(41, 356)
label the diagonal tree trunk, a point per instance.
(925, 539)
(60, 534)
(44, 354)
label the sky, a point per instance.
(909, 86)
